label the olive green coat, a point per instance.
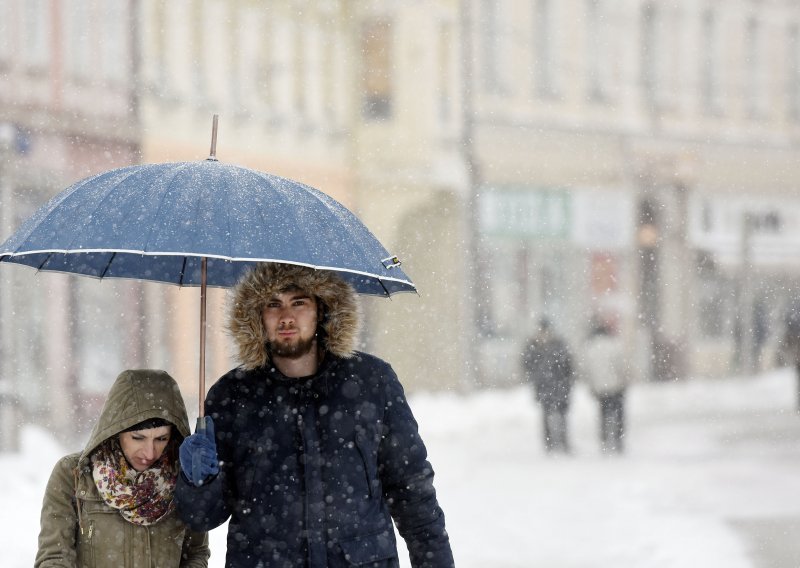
(79, 530)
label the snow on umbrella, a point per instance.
(201, 223)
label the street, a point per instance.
(710, 478)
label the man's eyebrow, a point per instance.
(296, 296)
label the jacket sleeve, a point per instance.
(195, 551)
(59, 519)
(205, 508)
(407, 479)
(202, 508)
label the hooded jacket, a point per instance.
(314, 469)
(604, 365)
(79, 529)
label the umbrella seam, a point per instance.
(179, 166)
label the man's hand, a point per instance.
(198, 453)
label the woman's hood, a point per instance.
(135, 396)
(339, 324)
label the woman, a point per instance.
(607, 376)
(112, 505)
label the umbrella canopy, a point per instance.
(201, 224)
(157, 221)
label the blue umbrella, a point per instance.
(201, 224)
(158, 221)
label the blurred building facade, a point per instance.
(637, 163)
(60, 338)
(358, 99)
(630, 160)
(278, 78)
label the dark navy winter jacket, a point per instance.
(311, 470)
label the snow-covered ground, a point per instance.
(711, 478)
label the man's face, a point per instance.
(290, 320)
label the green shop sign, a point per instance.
(525, 212)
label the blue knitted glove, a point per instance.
(198, 453)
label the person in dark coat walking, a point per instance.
(791, 342)
(311, 448)
(547, 365)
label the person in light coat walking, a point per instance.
(607, 375)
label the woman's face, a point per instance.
(142, 448)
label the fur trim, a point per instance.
(341, 322)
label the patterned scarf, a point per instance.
(142, 498)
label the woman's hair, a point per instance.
(147, 424)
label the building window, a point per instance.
(544, 49)
(596, 50)
(493, 48)
(199, 29)
(376, 77)
(35, 33)
(446, 74)
(714, 295)
(648, 53)
(279, 64)
(793, 73)
(6, 44)
(754, 84)
(658, 52)
(299, 71)
(162, 68)
(331, 61)
(77, 40)
(115, 63)
(709, 63)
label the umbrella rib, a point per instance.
(183, 270)
(46, 258)
(385, 289)
(113, 255)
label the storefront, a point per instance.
(560, 253)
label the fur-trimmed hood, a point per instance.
(340, 321)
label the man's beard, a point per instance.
(293, 350)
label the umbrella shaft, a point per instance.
(202, 385)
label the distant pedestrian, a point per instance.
(791, 342)
(607, 375)
(547, 366)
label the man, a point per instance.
(311, 448)
(547, 365)
(791, 342)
